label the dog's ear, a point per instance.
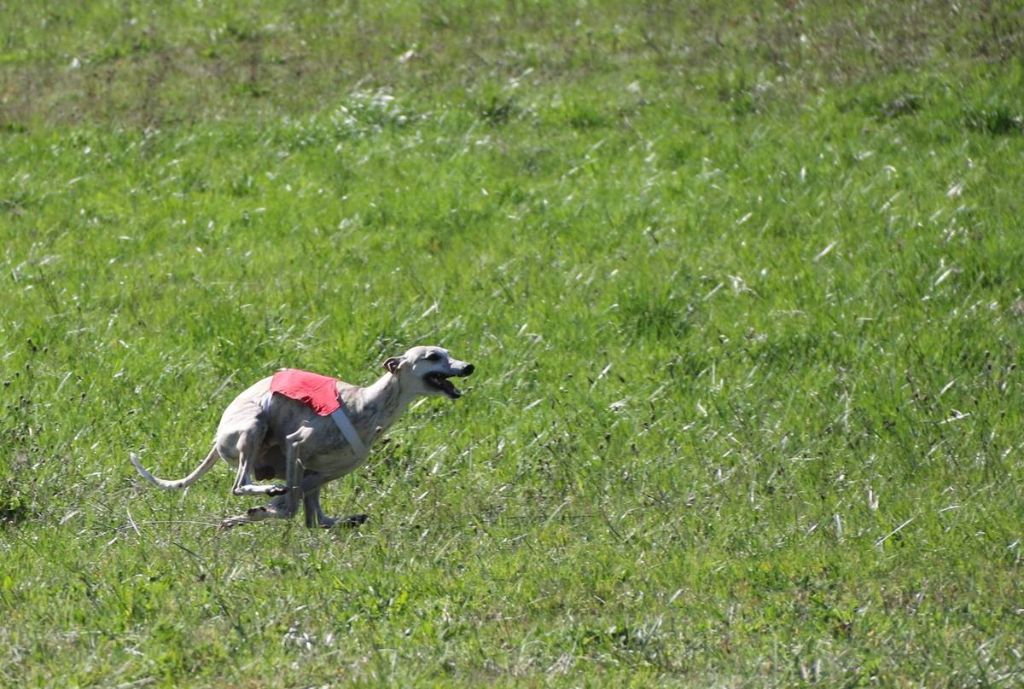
(392, 365)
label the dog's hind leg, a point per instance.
(244, 447)
(286, 504)
(277, 509)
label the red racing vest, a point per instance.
(317, 391)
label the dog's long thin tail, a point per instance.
(207, 464)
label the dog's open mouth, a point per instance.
(441, 382)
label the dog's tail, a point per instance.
(207, 464)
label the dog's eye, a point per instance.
(434, 356)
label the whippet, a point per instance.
(269, 435)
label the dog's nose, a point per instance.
(468, 370)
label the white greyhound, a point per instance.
(268, 434)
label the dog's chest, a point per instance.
(336, 461)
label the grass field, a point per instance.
(742, 282)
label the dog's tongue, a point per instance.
(448, 387)
(445, 386)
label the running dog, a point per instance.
(308, 430)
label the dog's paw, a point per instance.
(230, 523)
(353, 520)
(277, 490)
(349, 522)
(255, 514)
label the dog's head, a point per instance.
(427, 371)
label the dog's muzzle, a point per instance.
(441, 381)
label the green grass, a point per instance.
(742, 284)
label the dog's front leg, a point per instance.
(314, 512)
(293, 468)
(315, 515)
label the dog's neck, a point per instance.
(374, 408)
